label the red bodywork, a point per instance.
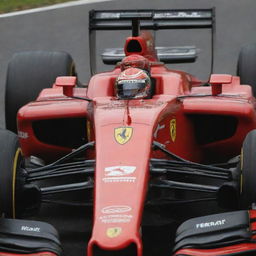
(178, 116)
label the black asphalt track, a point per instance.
(66, 30)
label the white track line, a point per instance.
(51, 7)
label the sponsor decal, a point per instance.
(113, 232)
(115, 214)
(22, 135)
(119, 174)
(179, 15)
(211, 224)
(119, 170)
(116, 218)
(123, 134)
(119, 179)
(116, 209)
(173, 129)
(31, 229)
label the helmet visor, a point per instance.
(130, 89)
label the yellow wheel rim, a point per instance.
(14, 171)
(241, 168)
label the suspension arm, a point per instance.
(185, 186)
(66, 188)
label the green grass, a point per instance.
(17, 5)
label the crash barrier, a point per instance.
(232, 233)
(23, 237)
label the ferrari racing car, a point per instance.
(141, 144)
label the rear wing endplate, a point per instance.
(150, 20)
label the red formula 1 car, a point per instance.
(141, 143)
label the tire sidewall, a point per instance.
(248, 170)
(9, 156)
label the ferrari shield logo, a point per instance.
(113, 232)
(173, 129)
(123, 134)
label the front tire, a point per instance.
(248, 170)
(10, 163)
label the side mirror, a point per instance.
(67, 83)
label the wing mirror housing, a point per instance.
(217, 80)
(67, 83)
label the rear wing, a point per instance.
(149, 20)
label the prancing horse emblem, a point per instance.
(123, 134)
(113, 232)
(173, 131)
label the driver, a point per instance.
(133, 83)
(135, 61)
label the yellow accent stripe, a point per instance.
(241, 168)
(14, 171)
(242, 159)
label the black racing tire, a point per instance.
(27, 74)
(10, 163)
(246, 66)
(248, 170)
